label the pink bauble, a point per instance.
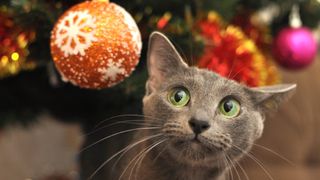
(295, 48)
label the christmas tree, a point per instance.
(207, 33)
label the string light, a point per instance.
(4, 60)
(21, 39)
(163, 21)
(15, 56)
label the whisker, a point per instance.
(255, 160)
(115, 134)
(119, 158)
(261, 165)
(121, 122)
(131, 161)
(117, 116)
(242, 169)
(232, 67)
(140, 159)
(164, 148)
(219, 166)
(125, 115)
(275, 153)
(230, 174)
(282, 157)
(237, 72)
(116, 154)
(173, 124)
(232, 166)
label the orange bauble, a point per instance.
(95, 44)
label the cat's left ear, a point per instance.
(163, 60)
(269, 97)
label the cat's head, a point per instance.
(203, 115)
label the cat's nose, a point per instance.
(198, 126)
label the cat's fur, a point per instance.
(177, 153)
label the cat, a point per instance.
(196, 123)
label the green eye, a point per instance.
(229, 107)
(179, 97)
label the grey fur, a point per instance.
(179, 157)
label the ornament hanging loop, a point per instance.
(107, 1)
(294, 17)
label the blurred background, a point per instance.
(45, 121)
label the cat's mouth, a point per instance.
(193, 150)
(195, 143)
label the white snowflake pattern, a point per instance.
(75, 33)
(112, 71)
(132, 26)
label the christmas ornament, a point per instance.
(230, 53)
(95, 44)
(13, 46)
(295, 47)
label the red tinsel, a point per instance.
(230, 53)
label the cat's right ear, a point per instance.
(163, 60)
(269, 97)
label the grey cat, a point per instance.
(197, 123)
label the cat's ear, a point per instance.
(269, 97)
(163, 60)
